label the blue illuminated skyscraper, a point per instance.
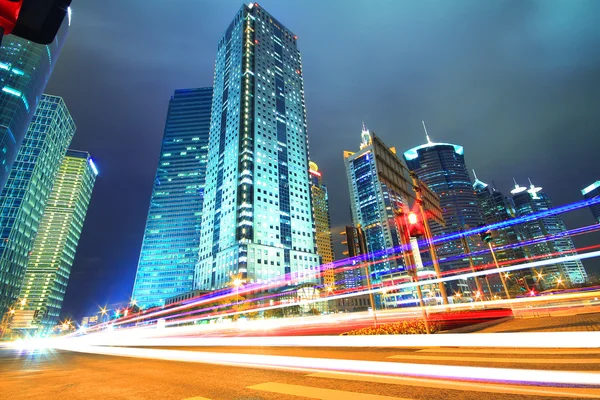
(592, 192)
(534, 200)
(25, 68)
(24, 197)
(257, 219)
(442, 167)
(171, 239)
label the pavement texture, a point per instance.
(566, 323)
(65, 375)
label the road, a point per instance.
(72, 375)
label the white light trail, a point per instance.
(361, 366)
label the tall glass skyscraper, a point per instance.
(592, 192)
(171, 239)
(373, 206)
(26, 192)
(257, 219)
(320, 204)
(442, 167)
(53, 253)
(534, 200)
(25, 68)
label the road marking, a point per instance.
(317, 393)
(501, 359)
(464, 386)
(196, 398)
(509, 351)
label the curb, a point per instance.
(480, 326)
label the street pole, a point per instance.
(362, 243)
(499, 271)
(429, 238)
(465, 243)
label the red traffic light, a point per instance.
(9, 14)
(415, 225)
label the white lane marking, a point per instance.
(512, 360)
(317, 393)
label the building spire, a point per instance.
(365, 136)
(475, 174)
(426, 134)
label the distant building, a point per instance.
(592, 192)
(25, 68)
(172, 236)
(55, 245)
(498, 208)
(25, 195)
(442, 167)
(320, 209)
(257, 221)
(90, 321)
(569, 273)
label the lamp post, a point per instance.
(487, 238)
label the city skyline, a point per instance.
(326, 128)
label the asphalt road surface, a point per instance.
(67, 375)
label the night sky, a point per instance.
(515, 82)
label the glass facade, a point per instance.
(257, 219)
(442, 167)
(25, 68)
(53, 252)
(373, 206)
(320, 204)
(534, 200)
(171, 239)
(592, 192)
(26, 192)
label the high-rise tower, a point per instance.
(25, 68)
(53, 253)
(592, 192)
(26, 192)
(170, 247)
(320, 204)
(257, 220)
(442, 167)
(534, 200)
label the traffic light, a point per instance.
(486, 236)
(415, 225)
(34, 20)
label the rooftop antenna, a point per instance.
(515, 181)
(529, 179)
(475, 175)
(426, 134)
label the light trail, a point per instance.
(470, 373)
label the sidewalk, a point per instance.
(569, 323)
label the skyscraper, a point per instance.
(25, 68)
(320, 204)
(497, 208)
(381, 194)
(53, 253)
(26, 192)
(442, 167)
(257, 219)
(592, 192)
(534, 200)
(170, 247)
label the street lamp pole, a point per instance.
(362, 244)
(499, 271)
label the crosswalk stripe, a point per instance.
(317, 393)
(463, 386)
(507, 360)
(509, 351)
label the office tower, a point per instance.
(569, 273)
(381, 195)
(26, 192)
(591, 192)
(495, 208)
(25, 68)
(55, 245)
(320, 210)
(442, 167)
(170, 247)
(257, 220)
